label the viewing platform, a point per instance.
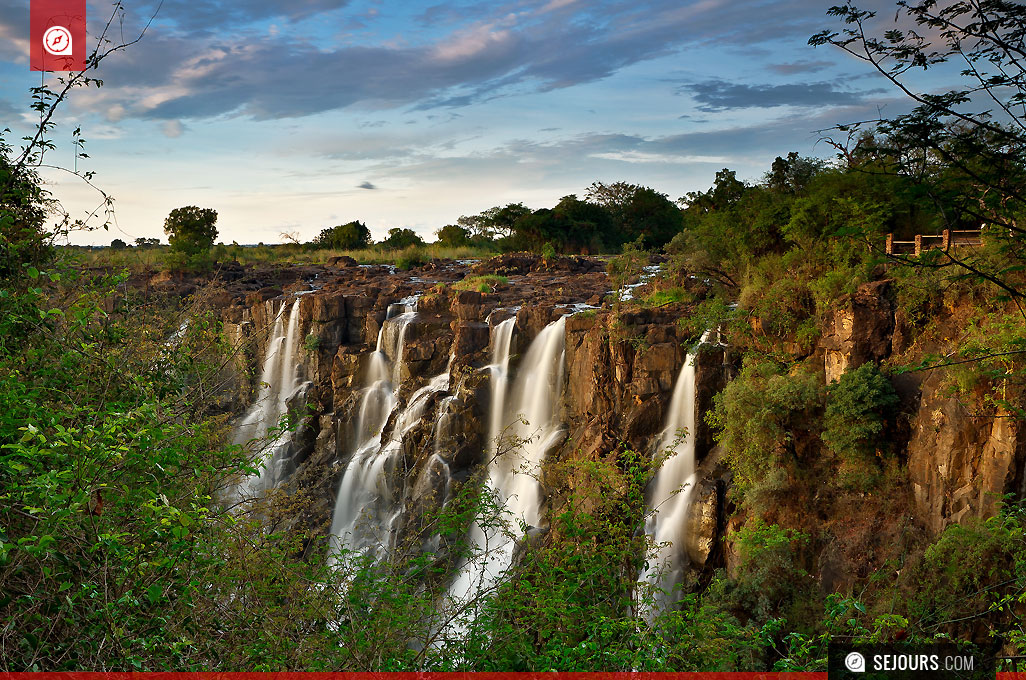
(946, 239)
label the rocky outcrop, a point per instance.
(961, 464)
(858, 331)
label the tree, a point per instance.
(613, 197)
(143, 242)
(402, 238)
(350, 236)
(792, 174)
(495, 223)
(968, 144)
(652, 216)
(572, 226)
(118, 244)
(637, 211)
(453, 236)
(191, 229)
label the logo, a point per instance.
(855, 662)
(57, 41)
(58, 35)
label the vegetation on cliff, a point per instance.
(120, 548)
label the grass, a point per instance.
(482, 284)
(666, 296)
(137, 259)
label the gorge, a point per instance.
(417, 390)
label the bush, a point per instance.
(411, 257)
(976, 572)
(482, 284)
(770, 579)
(761, 418)
(858, 405)
(24, 241)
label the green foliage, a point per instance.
(483, 284)
(976, 571)
(191, 229)
(401, 238)
(567, 605)
(637, 212)
(667, 296)
(761, 417)
(24, 204)
(574, 225)
(412, 256)
(453, 236)
(857, 407)
(349, 236)
(770, 580)
(495, 225)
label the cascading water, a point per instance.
(524, 425)
(670, 493)
(279, 381)
(366, 506)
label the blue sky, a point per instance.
(295, 115)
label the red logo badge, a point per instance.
(58, 35)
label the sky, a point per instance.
(290, 116)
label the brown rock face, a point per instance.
(960, 465)
(858, 332)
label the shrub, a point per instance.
(482, 284)
(770, 578)
(858, 404)
(760, 417)
(976, 572)
(411, 257)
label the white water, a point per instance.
(670, 493)
(279, 381)
(367, 505)
(523, 425)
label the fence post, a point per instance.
(890, 244)
(919, 244)
(945, 239)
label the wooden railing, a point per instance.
(949, 238)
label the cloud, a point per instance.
(211, 17)
(486, 50)
(172, 128)
(807, 66)
(720, 95)
(366, 185)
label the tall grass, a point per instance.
(137, 259)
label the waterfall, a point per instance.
(524, 424)
(670, 492)
(279, 381)
(367, 506)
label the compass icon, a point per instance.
(57, 41)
